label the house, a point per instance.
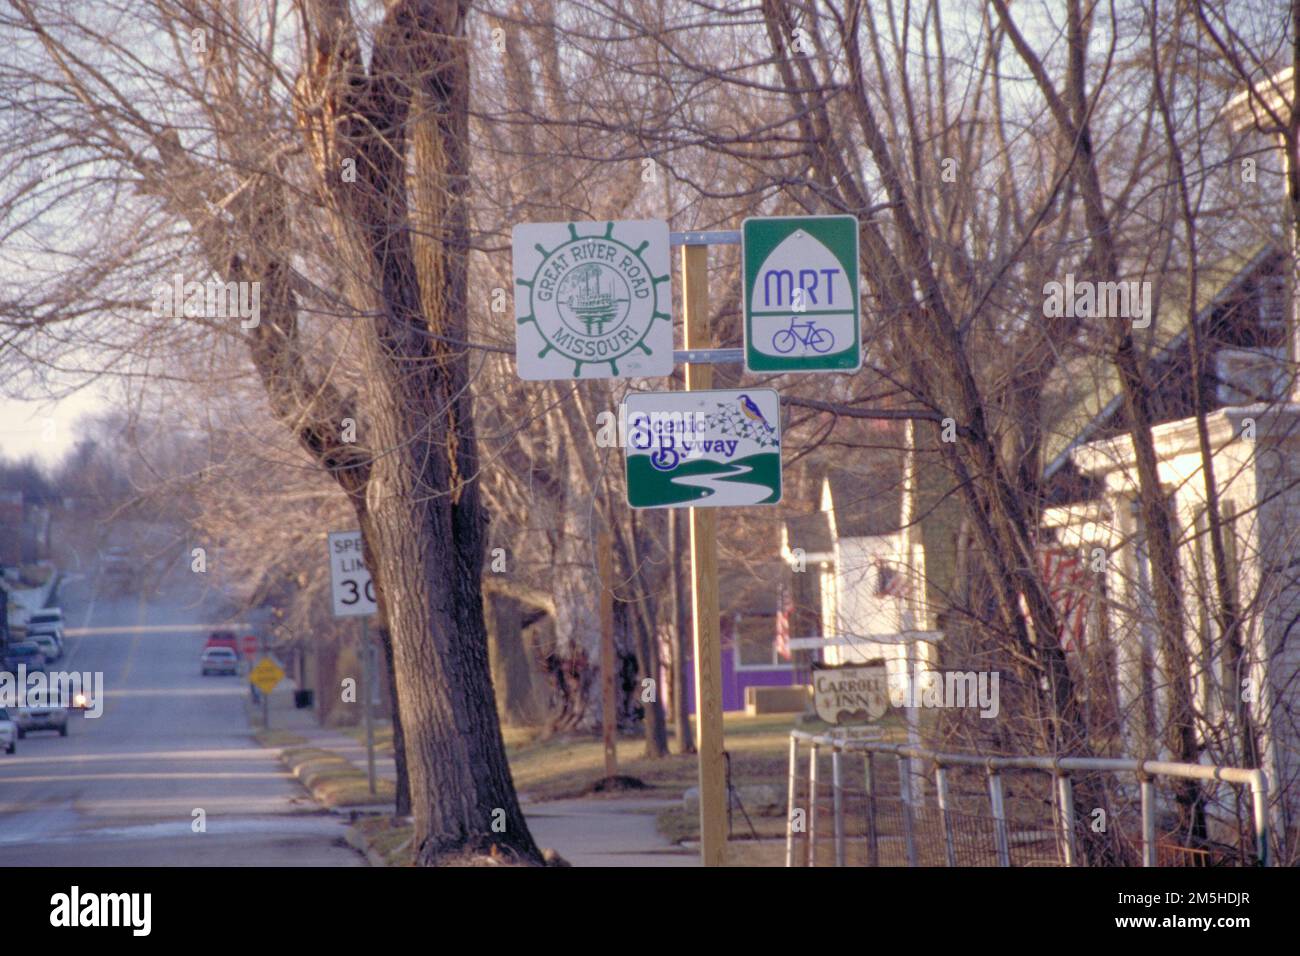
(1243, 684)
(863, 554)
(872, 541)
(848, 570)
(754, 602)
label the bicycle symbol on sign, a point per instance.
(806, 334)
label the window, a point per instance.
(755, 641)
(1207, 679)
(886, 579)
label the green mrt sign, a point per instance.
(801, 294)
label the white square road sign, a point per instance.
(710, 448)
(351, 589)
(592, 299)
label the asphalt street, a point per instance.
(125, 789)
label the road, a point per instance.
(123, 789)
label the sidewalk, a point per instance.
(598, 831)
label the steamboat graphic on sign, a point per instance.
(595, 296)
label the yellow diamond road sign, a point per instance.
(266, 675)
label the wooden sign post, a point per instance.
(608, 655)
(704, 588)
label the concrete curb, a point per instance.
(299, 768)
(357, 840)
(354, 837)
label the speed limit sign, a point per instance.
(351, 587)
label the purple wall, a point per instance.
(735, 681)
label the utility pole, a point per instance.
(266, 698)
(608, 654)
(704, 588)
(368, 669)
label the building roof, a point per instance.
(1083, 392)
(812, 532)
(755, 589)
(867, 502)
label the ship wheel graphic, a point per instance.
(602, 300)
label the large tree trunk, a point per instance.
(402, 785)
(454, 744)
(577, 621)
(426, 524)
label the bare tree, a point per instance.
(218, 161)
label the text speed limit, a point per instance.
(351, 587)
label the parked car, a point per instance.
(48, 644)
(223, 639)
(24, 652)
(118, 566)
(219, 660)
(41, 718)
(47, 620)
(8, 732)
(46, 615)
(53, 628)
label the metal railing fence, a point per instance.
(879, 813)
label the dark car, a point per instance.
(24, 652)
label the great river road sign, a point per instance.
(592, 299)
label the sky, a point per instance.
(45, 430)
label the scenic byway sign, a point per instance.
(801, 294)
(351, 590)
(704, 448)
(592, 299)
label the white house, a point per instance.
(1256, 461)
(866, 564)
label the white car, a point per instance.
(219, 660)
(41, 718)
(8, 732)
(47, 620)
(48, 644)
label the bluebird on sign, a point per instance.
(801, 294)
(708, 448)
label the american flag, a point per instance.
(1067, 584)
(892, 580)
(785, 610)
